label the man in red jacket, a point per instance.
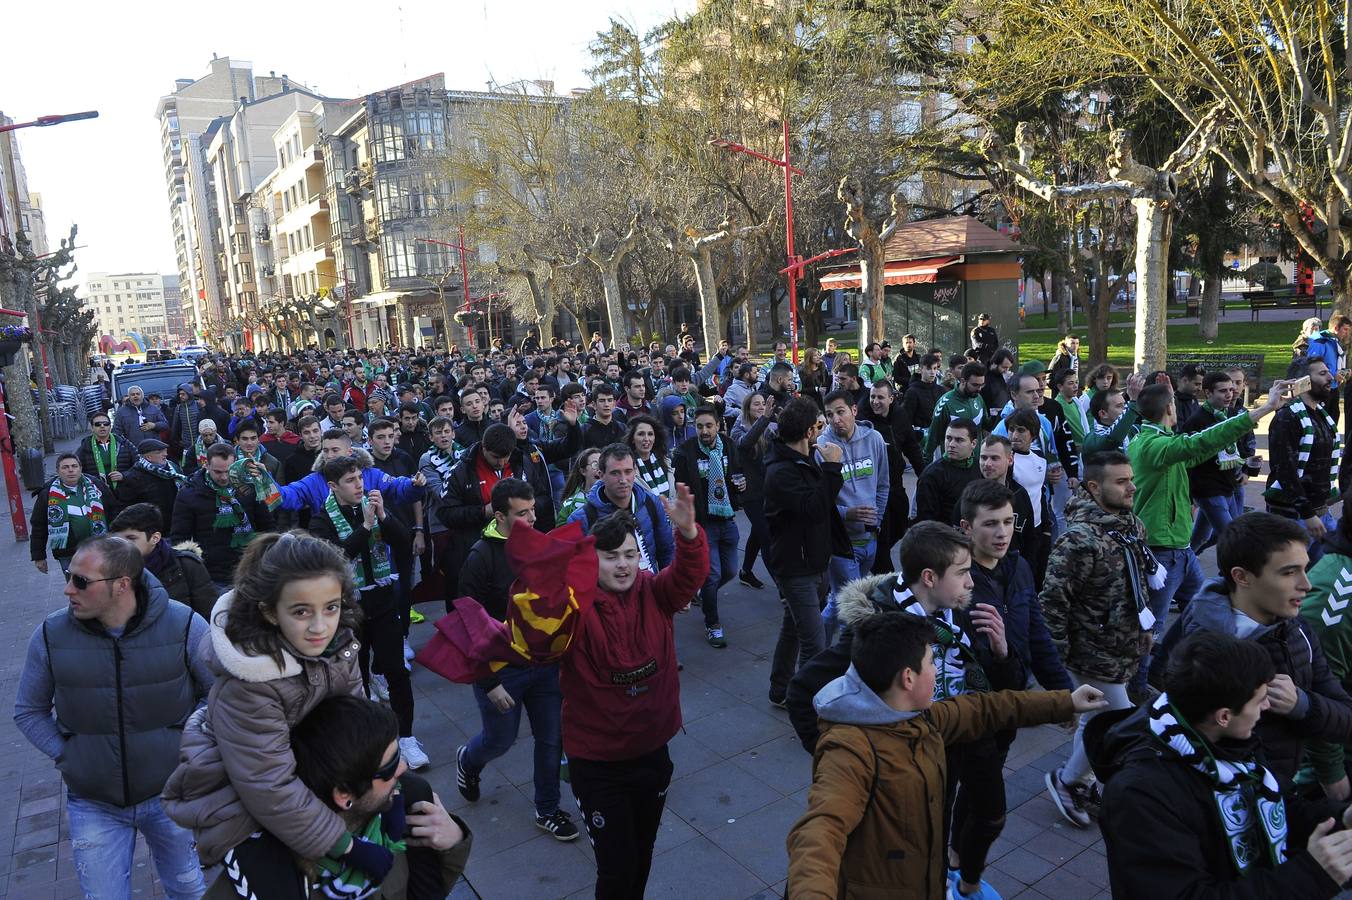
(622, 696)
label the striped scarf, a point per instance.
(375, 543)
(956, 667)
(656, 477)
(105, 460)
(264, 489)
(443, 461)
(720, 502)
(1302, 413)
(81, 502)
(1248, 800)
(1228, 458)
(230, 513)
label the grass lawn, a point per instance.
(1272, 339)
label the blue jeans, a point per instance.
(1316, 545)
(1213, 514)
(800, 632)
(1185, 579)
(841, 571)
(722, 534)
(103, 839)
(1237, 503)
(537, 689)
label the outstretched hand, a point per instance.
(1088, 698)
(681, 511)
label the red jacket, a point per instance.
(621, 694)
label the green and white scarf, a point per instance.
(656, 477)
(166, 470)
(720, 500)
(1247, 797)
(1228, 459)
(342, 881)
(105, 461)
(230, 513)
(957, 670)
(80, 503)
(443, 461)
(1302, 413)
(380, 553)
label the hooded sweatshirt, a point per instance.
(676, 434)
(863, 466)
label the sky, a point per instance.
(106, 174)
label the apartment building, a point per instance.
(143, 304)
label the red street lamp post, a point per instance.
(794, 270)
(464, 274)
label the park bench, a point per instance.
(1259, 300)
(1250, 363)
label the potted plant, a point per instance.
(12, 337)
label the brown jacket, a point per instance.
(236, 773)
(867, 839)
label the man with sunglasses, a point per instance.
(108, 682)
(104, 453)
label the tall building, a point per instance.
(138, 303)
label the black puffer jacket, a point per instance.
(800, 497)
(1163, 834)
(1324, 709)
(195, 517)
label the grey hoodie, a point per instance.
(863, 464)
(848, 701)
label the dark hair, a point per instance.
(143, 517)
(610, 531)
(1026, 419)
(931, 545)
(660, 433)
(410, 408)
(220, 450)
(120, 557)
(1096, 463)
(247, 425)
(305, 422)
(355, 415)
(972, 370)
(1062, 376)
(341, 744)
(380, 425)
(846, 396)
(1300, 366)
(1191, 370)
(993, 440)
(440, 422)
(1212, 379)
(331, 398)
(508, 489)
(634, 375)
(1004, 353)
(1249, 541)
(548, 388)
(848, 369)
(885, 383)
(100, 415)
(680, 373)
(61, 457)
(499, 439)
(571, 389)
(705, 410)
(885, 644)
(335, 434)
(276, 415)
(1099, 371)
(1209, 670)
(613, 451)
(269, 563)
(959, 359)
(577, 475)
(983, 494)
(1099, 402)
(930, 360)
(339, 466)
(796, 419)
(1018, 380)
(1153, 402)
(961, 424)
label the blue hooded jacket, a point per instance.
(312, 490)
(656, 529)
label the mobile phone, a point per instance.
(1299, 386)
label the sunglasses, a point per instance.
(386, 772)
(102, 424)
(82, 583)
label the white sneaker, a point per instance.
(380, 688)
(408, 656)
(414, 755)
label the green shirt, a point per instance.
(953, 406)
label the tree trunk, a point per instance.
(23, 427)
(1153, 227)
(871, 266)
(616, 314)
(1097, 316)
(541, 293)
(710, 312)
(1209, 327)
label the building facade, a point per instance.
(143, 307)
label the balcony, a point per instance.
(263, 233)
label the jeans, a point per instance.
(1213, 514)
(537, 689)
(1185, 579)
(841, 571)
(103, 839)
(800, 634)
(1316, 544)
(722, 534)
(1077, 769)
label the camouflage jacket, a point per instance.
(1086, 600)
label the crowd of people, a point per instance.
(230, 676)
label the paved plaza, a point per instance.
(741, 780)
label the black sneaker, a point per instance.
(749, 579)
(557, 824)
(467, 783)
(781, 702)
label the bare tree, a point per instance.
(872, 261)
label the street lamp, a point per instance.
(44, 121)
(795, 266)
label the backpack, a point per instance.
(592, 513)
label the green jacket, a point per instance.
(950, 407)
(1160, 461)
(1327, 611)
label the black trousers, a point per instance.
(263, 868)
(975, 801)
(621, 804)
(759, 541)
(891, 529)
(382, 637)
